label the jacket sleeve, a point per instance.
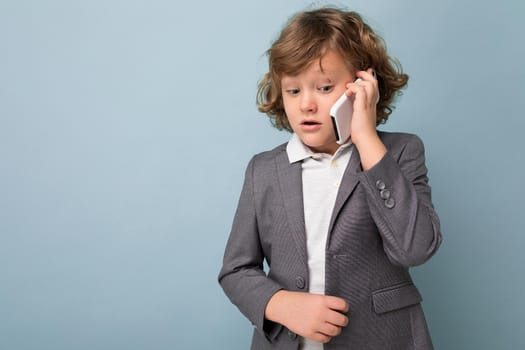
(400, 202)
(242, 276)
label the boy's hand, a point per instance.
(363, 128)
(364, 93)
(313, 316)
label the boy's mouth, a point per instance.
(310, 125)
(310, 122)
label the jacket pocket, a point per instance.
(395, 297)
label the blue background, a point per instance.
(125, 128)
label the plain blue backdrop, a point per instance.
(125, 129)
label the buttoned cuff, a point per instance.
(382, 178)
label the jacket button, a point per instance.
(389, 203)
(300, 282)
(385, 194)
(380, 185)
(292, 335)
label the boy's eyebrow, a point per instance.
(287, 79)
(323, 77)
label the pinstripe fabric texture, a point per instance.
(383, 222)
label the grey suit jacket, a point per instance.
(383, 222)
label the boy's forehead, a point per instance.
(331, 63)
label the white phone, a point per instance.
(341, 114)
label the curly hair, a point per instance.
(308, 36)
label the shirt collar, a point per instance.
(298, 151)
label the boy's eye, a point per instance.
(326, 88)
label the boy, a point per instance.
(339, 225)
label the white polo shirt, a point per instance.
(322, 174)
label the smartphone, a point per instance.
(341, 115)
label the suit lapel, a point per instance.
(348, 184)
(291, 183)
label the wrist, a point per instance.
(275, 306)
(364, 137)
(371, 150)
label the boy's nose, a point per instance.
(308, 104)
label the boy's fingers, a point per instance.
(337, 319)
(368, 79)
(337, 304)
(330, 329)
(368, 75)
(321, 338)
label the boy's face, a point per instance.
(308, 97)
